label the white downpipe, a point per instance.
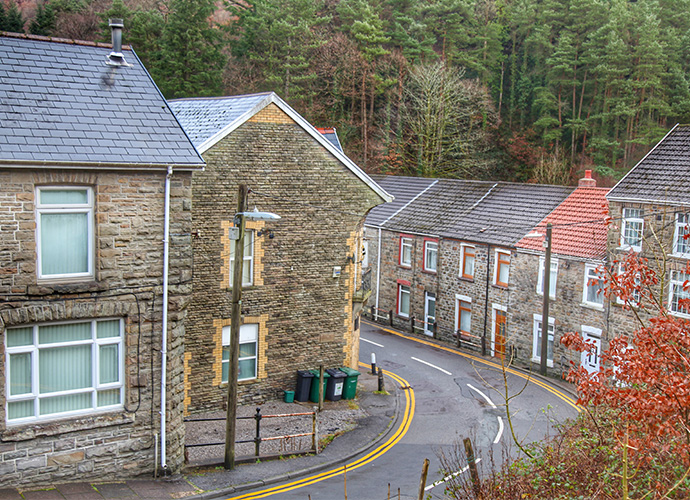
(164, 338)
(378, 273)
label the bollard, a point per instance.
(381, 385)
(390, 316)
(373, 363)
(483, 345)
(434, 328)
(412, 324)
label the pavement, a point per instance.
(209, 482)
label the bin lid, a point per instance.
(305, 373)
(316, 373)
(349, 371)
(335, 373)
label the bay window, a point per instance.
(62, 369)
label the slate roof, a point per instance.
(62, 105)
(663, 176)
(405, 189)
(208, 120)
(579, 228)
(496, 213)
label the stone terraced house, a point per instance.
(302, 291)
(441, 255)
(650, 209)
(95, 219)
(576, 299)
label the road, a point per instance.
(451, 397)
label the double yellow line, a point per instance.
(526, 376)
(402, 429)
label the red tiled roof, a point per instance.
(578, 225)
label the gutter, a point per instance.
(63, 165)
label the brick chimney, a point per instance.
(587, 180)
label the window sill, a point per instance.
(427, 271)
(499, 286)
(49, 286)
(594, 307)
(64, 425)
(466, 278)
(627, 249)
(679, 315)
(680, 255)
(405, 266)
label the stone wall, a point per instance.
(308, 312)
(129, 215)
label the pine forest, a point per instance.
(518, 90)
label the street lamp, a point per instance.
(237, 233)
(547, 291)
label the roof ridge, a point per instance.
(220, 97)
(69, 41)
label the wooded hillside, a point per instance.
(525, 90)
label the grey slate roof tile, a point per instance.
(486, 212)
(663, 176)
(55, 107)
(404, 189)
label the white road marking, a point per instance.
(433, 366)
(491, 403)
(370, 342)
(441, 481)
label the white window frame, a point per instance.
(629, 220)
(404, 289)
(497, 267)
(536, 344)
(675, 289)
(552, 279)
(637, 295)
(248, 259)
(430, 246)
(681, 247)
(249, 334)
(463, 254)
(34, 350)
(74, 208)
(592, 272)
(405, 245)
(458, 322)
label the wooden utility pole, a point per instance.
(472, 464)
(422, 481)
(545, 307)
(233, 368)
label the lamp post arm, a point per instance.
(235, 319)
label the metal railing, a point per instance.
(258, 438)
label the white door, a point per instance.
(429, 313)
(590, 360)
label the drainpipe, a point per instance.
(378, 271)
(164, 339)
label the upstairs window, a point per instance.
(552, 278)
(64, 232)
(679, 294)
(62, 369)
(467, 254)
(502, 268)
(632, 228)
(405, 251)
(248, 264)
(635, 291)
(430, 256)
(593, 289)
(681, 238)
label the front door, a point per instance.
(500, 320)
(429, 313)
(590, 359)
